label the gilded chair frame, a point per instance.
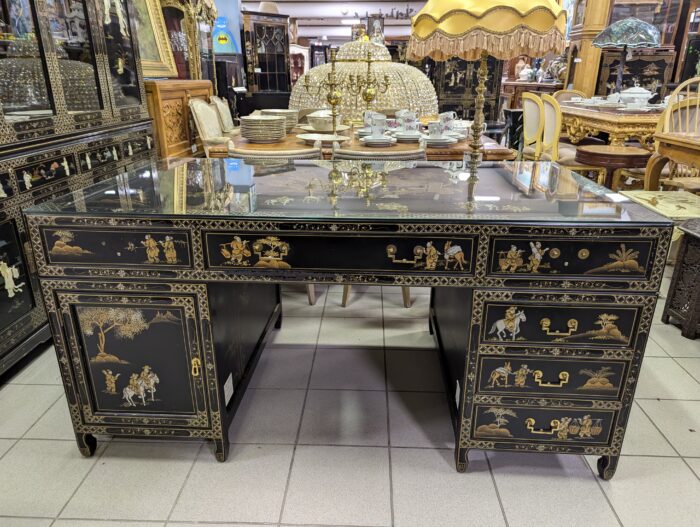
(532, 135)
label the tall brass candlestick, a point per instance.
(477, 126)
(333, 85)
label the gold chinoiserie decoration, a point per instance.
(475, 29)
(563, 379)
(360, 179)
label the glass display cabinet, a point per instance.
(72, 111)
(266, 41)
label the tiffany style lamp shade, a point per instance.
(628, 33)
(475, 29)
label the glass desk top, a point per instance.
(352, 190)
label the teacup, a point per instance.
(447, 119)
(369, 115)
(435, 129)
(411, 127)
(403, 115)
(377, 131)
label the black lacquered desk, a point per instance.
(162, 284)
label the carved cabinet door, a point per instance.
(138, 358)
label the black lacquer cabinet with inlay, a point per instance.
(162, 287)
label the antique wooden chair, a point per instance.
(224, 112)
(682, 117)
(552, 147)
(206, 119)
(566, 95)
(533, 126)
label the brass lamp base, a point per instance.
(475, 155)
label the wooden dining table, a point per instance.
(581, 121)
(681, 148)
(492, 150)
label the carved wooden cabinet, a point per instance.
(72, 111)
(652, 68)
(168, 104)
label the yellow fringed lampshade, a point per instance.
(502, 28)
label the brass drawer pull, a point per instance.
(554, 424)
(196, 367)
(563, 379)
(546, 325)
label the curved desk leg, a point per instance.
(655, 165)
(607, 465)
(86, 443)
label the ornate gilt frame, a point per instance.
(165, 67)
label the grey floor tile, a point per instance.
(695, 465)
(428, 491)
(348, 369)
(22, 405)
(413, 370)
(651, 491)
(676, 345)
(283, 367)
(49, 470)
(42, 370)
(663, 378)
(25, 522)
(355, 288)
(364, 332)
(692, 366)
(5, 445)
(209, 524)
(268, 416)
(106, 523)
(642, 438)
(653, 349)
(340, 417)
(408, 333)
(298, 331)
(420, 420)
(296, 303)
(678, 421)
(339, 486)
(133, 481)
(54, 424)
(394, 308)
(396, 290)
(530, 483)
(360, 304)
(248, 487)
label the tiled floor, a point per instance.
(345, 424)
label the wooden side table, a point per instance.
(683, 300)
(612, 158)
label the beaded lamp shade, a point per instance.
(502, 28)
(408, 88)
(629, 32)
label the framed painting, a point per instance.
(154, 45)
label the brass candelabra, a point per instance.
(333, 85)
(367, 86)
(475, 154)
(360, 179)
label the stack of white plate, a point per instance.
(378, 142)
(440, 142)
(408, 137)
(292, 117)
(263, 128)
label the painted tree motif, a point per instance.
(598, 379)
(498, 427)
(126, 323)
(624, 260)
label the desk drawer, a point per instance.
(560, 320)
(340, 252)
(580, 426)
(544, 257)
(120, 248)
(538, 376)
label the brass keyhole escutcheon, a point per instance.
(196, 367)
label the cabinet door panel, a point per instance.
(137, 354)
(16, 295)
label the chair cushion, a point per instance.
(224, 113)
